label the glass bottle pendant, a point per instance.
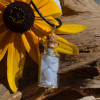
(49, 64)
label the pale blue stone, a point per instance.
(51, 51)
(48, 83)
(52, 59)
(44, 57)
(44, 64)
(54, 67)
(42, 80)
(50, 76)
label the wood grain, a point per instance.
(77, 72)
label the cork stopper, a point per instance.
(52, 41)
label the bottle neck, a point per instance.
(50, 44)
(51, 51)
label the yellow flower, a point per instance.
(21, 30)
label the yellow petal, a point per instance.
(3, 31)
(4, 42)
(66, 47)
(1, 19)
(48, 8)
(22, 53)
(30, 41)
(0, 12)
(17, 0)
(23, 0)
(70, 29)
(27, 1)
(5, 2)
(65, 42)
(2, 5)
(39, 3)
(42, 39)
(9, 1)
(38, 31)
(15, 61)
(41, 25)
(61, 50)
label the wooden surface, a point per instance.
(79, 72)
(5, 94)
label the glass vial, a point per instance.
(49, 65)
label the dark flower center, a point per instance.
(18, 17)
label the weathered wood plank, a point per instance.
(5, 94)
(76, 72)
